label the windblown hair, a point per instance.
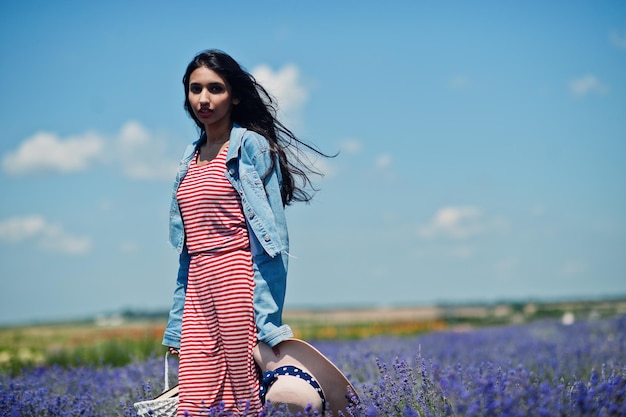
(256, 111)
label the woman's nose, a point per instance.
(204, 96)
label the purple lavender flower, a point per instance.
(541, 369)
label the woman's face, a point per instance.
(210, 97)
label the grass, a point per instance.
(136, 338)
(78, 344)
(84, 344)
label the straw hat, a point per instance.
(297, 375)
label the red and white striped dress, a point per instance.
(218, 331)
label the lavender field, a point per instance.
(539, 369)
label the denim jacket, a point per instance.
(247, 160)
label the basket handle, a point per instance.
(167, 374)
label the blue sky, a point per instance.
(482, 148)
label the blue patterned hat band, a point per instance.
(269, 377)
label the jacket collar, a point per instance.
(234, 144)
(234, 141)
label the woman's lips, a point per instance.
(205, 112)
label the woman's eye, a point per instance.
(196, 89)
(216, 89)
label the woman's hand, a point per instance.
(173, 351)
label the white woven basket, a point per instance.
(163, 405)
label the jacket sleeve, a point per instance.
(270, 271)
(173, 330)
(269, 295)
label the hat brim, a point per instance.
(338, 391)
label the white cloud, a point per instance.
(104, 205)
(456, 222)
(134, 134)
(461, 252)
(46, 152)
(459, 82)
(457, 251)
(618, 40)
(142, 156)
(134, 151)
(286, 87)
(506, 266)
(43, 234)
(538, 210)
(129, 247)
(351, 146)
(460, 222)
(383, 161)
(585, 85)
(318, 164)
(21, 228)
(321, 165)
(572, 268)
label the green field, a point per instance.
(131, 337)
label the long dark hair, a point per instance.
(256, 111)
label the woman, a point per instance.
(228, 223)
